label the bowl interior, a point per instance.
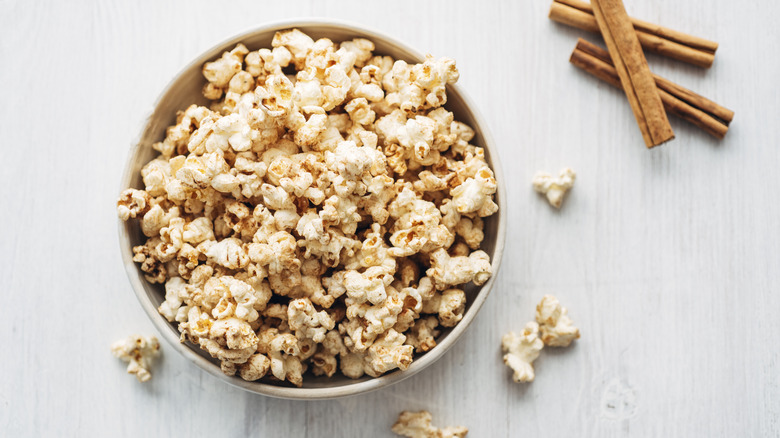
(184, 90)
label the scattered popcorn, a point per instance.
(324, 219)
(138, 351)
(554, 188)
(556, 327)
(521, 352)
(418, 425)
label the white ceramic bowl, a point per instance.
(184, 90)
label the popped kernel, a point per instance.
(138, 351)
(418, 425)
(521, 352)
(554, 188)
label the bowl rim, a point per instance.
(359, 387)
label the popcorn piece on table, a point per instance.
(138, 351)
(521, 351)
(554, 188)
(556, 328)
(418, 425)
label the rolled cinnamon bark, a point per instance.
(631, 65)
(664, 41)
(677, 100)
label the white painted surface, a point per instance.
(667, 259)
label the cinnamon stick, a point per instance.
(682, 93)
(631, 66)
(679, 101)
(664, 41)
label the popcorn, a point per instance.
(241, 83)
(177, 137)
(234, 333)
(263, 63)
(220, 72)
(308, 132)
(366, 84)
(449, 305)
(413, 88)
(175, 294)
(471, 230)
(230, 340)
(423, 334)
(432, 76)
(138, 351)
(557, 330)
(151, 265)
(197, 171)
(417, 226)
(359, 111)
(418, 425)
(285, 365)
(255, 368)
(554, 188)
(361, 48)
(228, 253)
(278, 254)
(307, 322)
(417, 136)
(323, 212)
(521, 351)
(475, 194)
(456, 270)
(198, 230)
(296, 42)
(157, 218)
(367, 286)
(387, 353)
(132, 203)
(233, 297)
(381, 317)
(324, 361)
(556, 327)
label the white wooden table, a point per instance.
(667, 259)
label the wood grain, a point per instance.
(667, 259)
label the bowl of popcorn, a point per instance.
(312, 210)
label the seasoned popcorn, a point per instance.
(553, 328)
(554, 187)
(423, 334)
(556, 328)
(521, 352)
(138, 351)
(324, 212)
(418, 425)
